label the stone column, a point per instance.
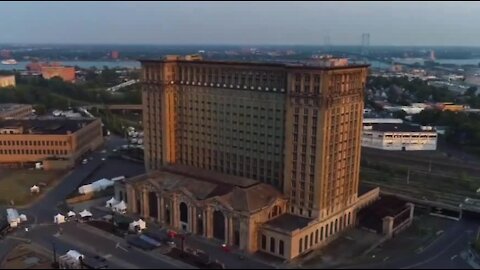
(159, 208)
(145, 206)
(230, 234)
(175, 213)
(161, 216)
(388, 226)
(193, 220)
(226, 220)
(132, 201)
(208, 222)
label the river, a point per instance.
(21, 65)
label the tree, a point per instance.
(471, 91)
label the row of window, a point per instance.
(273, 248)
(32, 152)
(33, 143)
(309, 241)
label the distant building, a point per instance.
(56, 142)
(448, 106)
(50, 70)
(115, 54)
(394, 136)
(66, 73)
(5, 54)
(11, 110)
(6, 81)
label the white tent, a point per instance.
(111, 202)
(13, 217)
(59, 218)
(71, 214)
(102, 184)
(121, 207)
(86, 189)
(85, 213)
(34, 189)
(75, 254)
(23, 217)
(133, 226)
(142, 224)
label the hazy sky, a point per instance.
(389, 23)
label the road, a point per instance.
(445, 252)
(41, 215)
(44, 210)
(92, 243)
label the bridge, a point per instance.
(124, 84)
(126, 107)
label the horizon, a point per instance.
(242, 23)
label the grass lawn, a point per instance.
(15, 184)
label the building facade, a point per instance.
(66, 73)
(7, 81)
(296, 128)
(11, 110)
(35, 140)
(398, 137)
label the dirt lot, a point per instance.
(15, 184)
(27, 257)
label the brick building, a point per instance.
(11, 110)
(293, 131)
(7, 81)
(39, 139)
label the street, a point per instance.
(445, 252)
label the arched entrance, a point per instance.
(153, 204)
(184, 216)
(219, 225)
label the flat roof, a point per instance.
(211, 176)
(397, 127)
(4, 107)
(289, 222)
(46, 126)
(293, 65)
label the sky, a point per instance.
(241, 23)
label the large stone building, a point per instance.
(30, 140)
(7, 81)
(12, 110)
(267, 156)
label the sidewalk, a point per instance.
(231, 259)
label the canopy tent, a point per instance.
(95, 186)
(71, 214)
(23, 217)
(75, 254)
(120, 207)
(111, 202)
(142, 224)
(137, 225)
(34, 189)
(85, 214)
(59, 218)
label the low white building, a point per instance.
(394, 136)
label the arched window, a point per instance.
(300, 245)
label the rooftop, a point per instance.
(289, 222)
(281, 65)
(239, 193)
(394, 127)
(45, 125)
(4, 107)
